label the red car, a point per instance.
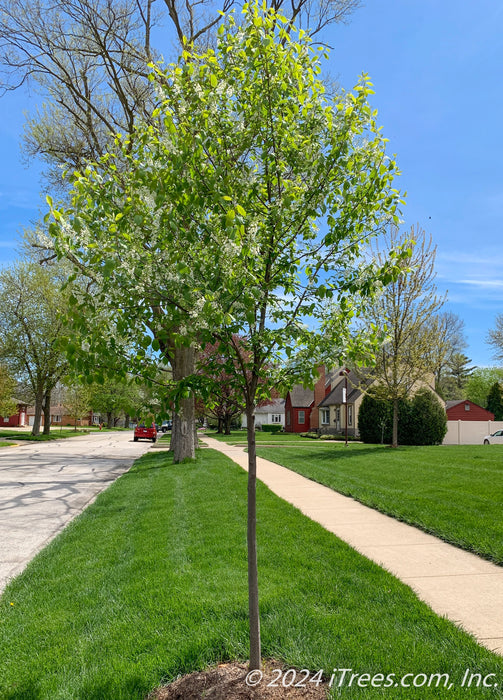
(143, 433)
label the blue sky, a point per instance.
(436, 69)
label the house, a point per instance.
(300, 404)
(60, 417)
(18, 419)
(465, 409)
(271, 413)
(343, 399)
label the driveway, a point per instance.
(44, 485)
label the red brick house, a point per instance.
(298, 407)
(301, 412)
(466, 410)
(18, 420)
(61, 418)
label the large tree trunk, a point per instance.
(39, 399)
(47, 412)
(110, 419)
(394, 441)
(182, 434)
(227, 424)
(253, 607)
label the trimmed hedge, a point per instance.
(421, 420)
(271, 428)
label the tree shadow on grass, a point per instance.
(337, 453)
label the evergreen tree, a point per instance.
(495, 401)
(459, 369)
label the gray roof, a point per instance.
(335, 398)
(301, 397)
(450, 404)
(274, 406)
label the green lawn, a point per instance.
(150, 582)
(454, 492)
(238, 437)
(5, 444)
(55, 434)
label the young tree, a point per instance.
(32, 308)
(248, 209)
(495, 401)
(88, 58)
(406, 308)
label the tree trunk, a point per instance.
(47, 412)
(184, 421)
(394, 442)
(227, 424)
(39, 399)
(253, 606)
(219, 426)
(110, 419)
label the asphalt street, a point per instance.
(44, 485)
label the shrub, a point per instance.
(273, 428)
(428, 420)
(421, 420)
(375, 420)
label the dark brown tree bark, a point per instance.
(47, 412)
(39, 400)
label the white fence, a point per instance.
(467, 432)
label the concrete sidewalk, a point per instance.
(458, 585)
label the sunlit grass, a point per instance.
(454, 492)
(150, 583)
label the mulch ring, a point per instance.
(229, 682)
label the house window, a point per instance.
(350, 415)
(338, 415)
(325, 416)
(275, 417)
(56, 419)
(467, 406)
(302, 417)
(6, 419)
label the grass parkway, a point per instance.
(150, 583)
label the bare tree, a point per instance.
(495, 338)
(447, 332)
(406, 309)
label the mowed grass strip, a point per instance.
(53, 435)
(150, 583)
(453, 492)
(239, 437)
